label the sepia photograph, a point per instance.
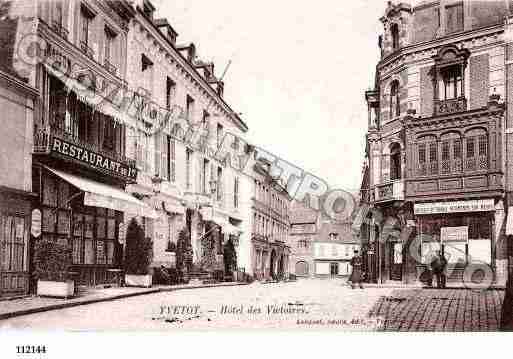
(191, 165)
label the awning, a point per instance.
(509, 222)
(101, 195)
(99, 103)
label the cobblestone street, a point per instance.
(306, 304)
(440, 310)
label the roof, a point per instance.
(342, 229)
(303, 215)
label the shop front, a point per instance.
(87, 214)
(464, 232)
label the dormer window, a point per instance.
(394, 32)
(395, 109)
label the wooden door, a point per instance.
(13, 256)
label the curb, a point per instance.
(48, 308)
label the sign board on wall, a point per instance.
(35, 227)
(454, 234)
(481, 205)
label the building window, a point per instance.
(86, 17)
(171, 164)
(454, 18)
(394, 99)
(451, 83)
(110, 37)
(427, 156)
(58, 16)
(236, 193)
(219, 184)
(204, 176)
(395, 162)
(219, 134)
(170, 92)
(394, 33)
(476, 150)
(189, 108)
(333, 236)
(188, 159)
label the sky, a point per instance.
(298, 73)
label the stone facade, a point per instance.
(439, 138)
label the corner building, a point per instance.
(437, 169)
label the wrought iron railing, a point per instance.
(43, 139)
(443, 107)
(110, 67)
(86, 49)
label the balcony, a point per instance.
(110, 67)
(57, 143)
(393, 191)
(86, 50)
(445, 107)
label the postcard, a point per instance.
(171, 166)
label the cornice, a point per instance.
(19, 85)
(191, 73)
(429, 48)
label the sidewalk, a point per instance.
(34, 304)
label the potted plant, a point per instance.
(52, 262)
(137, 257)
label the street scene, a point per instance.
(171, 166)
(310, 304)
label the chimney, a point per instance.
(188, 51)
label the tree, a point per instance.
(138, 250)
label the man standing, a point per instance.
(356, 273)
(438, 264)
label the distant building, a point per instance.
(270, 252)
(304, 228)
(333, 249)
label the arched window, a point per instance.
(395, 161)
(394, 99)
(476, 150)
(451, 152)
(301, 268)
(427, 155)
(394, 32)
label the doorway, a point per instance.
(13, 258)
(334, 269)
(396, 260)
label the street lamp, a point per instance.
(156, 184)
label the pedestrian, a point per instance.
(356, 272)
(438, 264)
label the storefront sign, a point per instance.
(482, 205)
(35, 227)
(93, 159)
(454, 234)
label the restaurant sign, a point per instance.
(481, 205)
(93, 159)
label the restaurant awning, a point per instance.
(98, 194)
(509, 222)
(99, 103)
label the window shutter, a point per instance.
(158, 143)
(172, 155)
(164, 157)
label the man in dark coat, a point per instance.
(438, 264)
(356, 273)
